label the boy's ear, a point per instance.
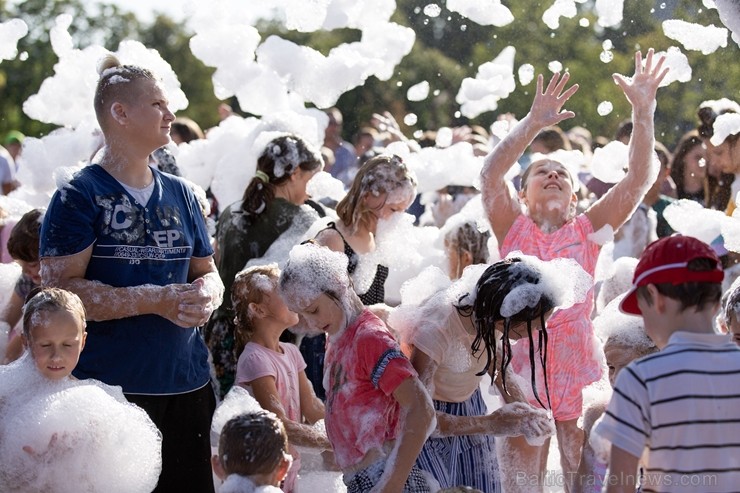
(218, 469)
(24, 340)
(118, 112)
(658, 300)
(84, 338)
(282, 470)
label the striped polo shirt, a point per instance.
(679, 409)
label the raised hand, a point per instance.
(640, 89)
(548, 103)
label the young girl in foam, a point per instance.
(383, 186)
(271, 370)
(473, 313)
(466, 243)
(64, 435)
(274, 202)
(541, 221)
(378, 413)
(624, 340)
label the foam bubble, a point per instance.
(692, 36)
(483, 12)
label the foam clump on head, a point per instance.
(393, 178)
(237, 401)
(312, 270)
(615, 327)
(618, 282)
(562, 280)
(287, 153)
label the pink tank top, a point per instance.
(571, 339)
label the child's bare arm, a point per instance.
(501, 203)
(266, 393)
(425, 366)
(311, 406)
(587, 467)
(104, 302)
(417, 421)
(622, 476)
(618, 204)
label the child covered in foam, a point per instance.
(64, 435)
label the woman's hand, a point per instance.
(640, 90)
(548, 103)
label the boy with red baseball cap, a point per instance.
(677, 412)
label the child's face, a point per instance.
(56, 341)
(278, 311)
(380, 207)
(32, 270)
(617, 357)
(324, 314)
(548, 184)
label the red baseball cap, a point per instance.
(666, 262)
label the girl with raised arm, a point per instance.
(541, 220)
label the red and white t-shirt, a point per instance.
(362, 369)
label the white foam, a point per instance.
(493, 82)
(78, 436)
(725, 125)
(678, 65)
(692, 36)
(610, 12)
(10, 32)
(604, 108)
(691, 219)
(418, 92)
(609, 162)
(526, 74)
(561, 8)
(562, 280)
(483, 12)
(729, 14)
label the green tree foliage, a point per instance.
(448, 48)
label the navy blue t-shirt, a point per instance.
(133, 244)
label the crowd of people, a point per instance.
(122, 282)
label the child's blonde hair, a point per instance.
(379, 175)
(50, 300)
(468, 236)
(253, 443)
(250, 286)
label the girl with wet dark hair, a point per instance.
(273, 202)
(453, 338)
(491, 317)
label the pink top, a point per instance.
(570, 330)
(363, 368)
(257, 361)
